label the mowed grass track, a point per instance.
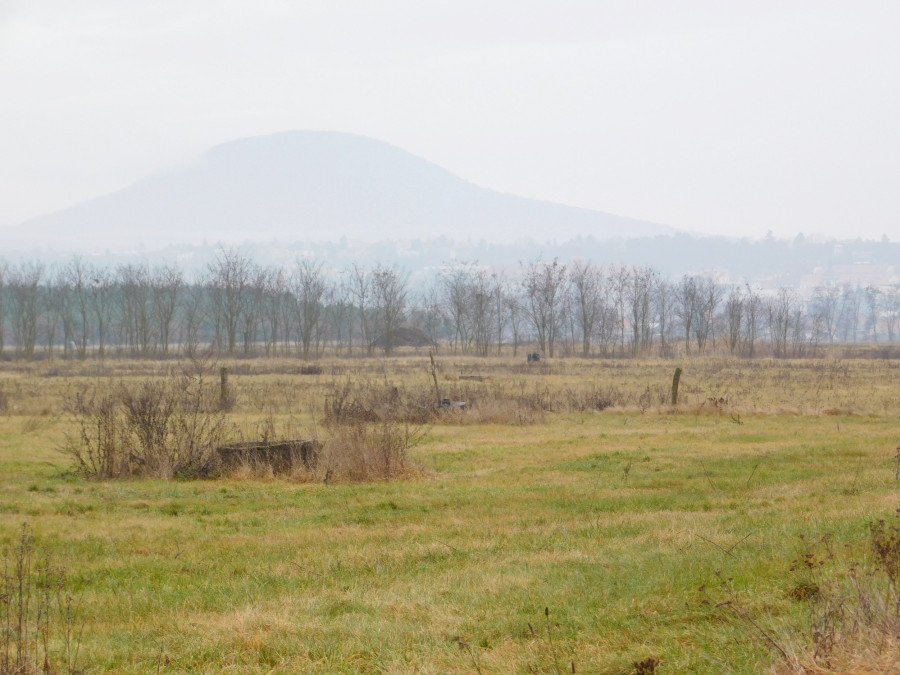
(612, 520)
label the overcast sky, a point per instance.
(714, 116)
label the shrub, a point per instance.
(854, 608)
(159, 428)
(371, 428)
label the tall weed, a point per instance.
(40, 624)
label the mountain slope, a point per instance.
(313, 186)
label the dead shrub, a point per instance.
(854, 607)
(97, 446)
(155, 428)
(494, 411)
(370, 429)
(592, 399)
(487, 402)
(370, 402)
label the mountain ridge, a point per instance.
(312, 185)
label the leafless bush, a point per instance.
(40, 626)
(854, 607)
(362, 451)
(369, 402)
(97, 445)
(592, 399)
(160, 428)
(497, 410)
(371, 428)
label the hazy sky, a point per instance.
(716, 116)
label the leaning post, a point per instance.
(223, 387)
(437, 391)
(675, 381)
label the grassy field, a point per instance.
(570, 520)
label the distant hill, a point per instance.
(311, 186)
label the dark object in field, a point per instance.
(282, 456)
(223, 387)
(447, 403)
(311, 370)
(648, 665)
(534, 357)
(675, 381)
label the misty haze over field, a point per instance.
(707, 117)
(347, 199)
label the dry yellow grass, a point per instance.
(612, 519)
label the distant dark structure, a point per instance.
(534, 357)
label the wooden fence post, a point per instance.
(675, 380)
(223, 388)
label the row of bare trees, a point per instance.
(239, 308)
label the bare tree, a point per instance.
(25, 295)
(873, 305)
(166, 283)
(135, 307)
(253, 301)
(484, 310)
(276, 289)
(544, 285)
(58, 300)
(389, 294)
(848, 313)
(618, 284)
(780, 311)
(77, 276)
(432, 312)
(456, 289)
(230, 277)
(639, 293)
(309, 287)
(664, 298)
(734, 318)
(193, 309)
(502, 313)
(890, 307)
(101, 300)
(753, 312)
(708, 296)
(586, 283)
(342, 314)
(799, 335)
(686, 307)
(516, 317)
(824, 307)
(359, 284)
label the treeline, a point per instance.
(238, 308)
